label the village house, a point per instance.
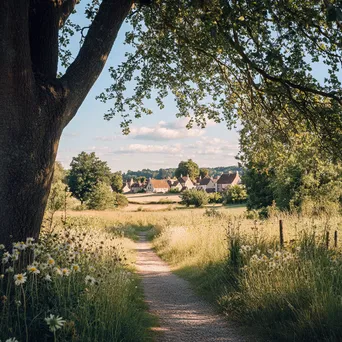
(174, 184)
(186, 183)
(157, 185)
(207, 184)
(137, 186)
(226, 180)
(126, 189)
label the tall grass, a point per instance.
(292, 293)
(78, 272)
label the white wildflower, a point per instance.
(33, 269)
(20, 279)
(89, 280)
(65, 272)
(75, 268)
(54, 322)
(51, 261)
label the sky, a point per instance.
(156, 141)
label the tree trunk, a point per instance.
(35, 105)
(28, 147)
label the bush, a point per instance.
(212, 212)
(234, 194)
(101, 197)
(215, 197)
(120, 200)
(174, 191)
(198, 198)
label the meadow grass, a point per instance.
(75, 284)
(291, 293)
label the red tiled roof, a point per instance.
(160, 183)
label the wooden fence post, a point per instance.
(327, 240)
(281, 233)
(335, 239)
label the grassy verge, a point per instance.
(291, 293)
(75, 284)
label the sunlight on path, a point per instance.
(182, 315)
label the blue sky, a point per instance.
(156, 141)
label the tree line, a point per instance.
(172, 172)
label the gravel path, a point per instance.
(182, 315)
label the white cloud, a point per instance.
(108, 138)
(140, 148)
(166, 131)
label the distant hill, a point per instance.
(170, 172)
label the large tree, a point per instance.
(187, 168)
(219, 58)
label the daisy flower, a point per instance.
(20, 278)
(33, 269)
(65, 272)
(54, 322)
(89, 280)
(51, 262)
(75, 268)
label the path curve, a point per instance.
(182, 315)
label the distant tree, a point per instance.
(59, 173)
(142, 179)
(58, 196)
(86, 171)
(116, 181)
(187, 168)
(162, 174)
(234, 194)
(204, 172)
(100, 197)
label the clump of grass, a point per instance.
(74, 284)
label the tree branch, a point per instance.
(238, 48)
(66, 9)
(84, 71)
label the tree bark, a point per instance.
(35, 106)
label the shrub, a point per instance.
(101, 197)
(120, 200)
(212, 212)
(215, 197)
(234, 194)
(198, 198)
(174, 191)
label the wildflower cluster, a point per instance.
(56, 275)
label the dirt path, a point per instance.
(182, 315)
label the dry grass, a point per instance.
(152, 197)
